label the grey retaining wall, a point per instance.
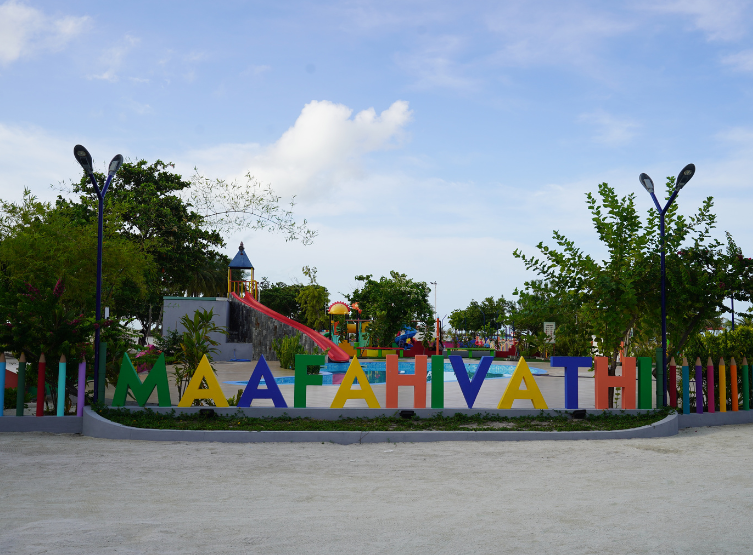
(96, 426)
(247, 325)
(716, 418)
(51, 424)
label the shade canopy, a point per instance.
(241, 261)
(339, 307)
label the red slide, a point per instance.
(336, 354)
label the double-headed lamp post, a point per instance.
(85, 159)
(682, 179)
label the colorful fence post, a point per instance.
(2, 382)
(81, 387)
(685, 386)
(733, 384)
(644, 382)
(21, 390)
(722, 386)
(61, 386)
(698, 386)
(710, 385)
(746, 384)
(672, 383)
(42, 367)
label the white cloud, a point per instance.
(112, 59)
(25, 30)
(318, 154)
(612, 130)
(741, 61)
(254, 70)
(718, 19)
(563, 33)
(436, 64)
(31, 157)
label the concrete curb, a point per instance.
(50, 424)
(716, 419)
(326, 413)
(96, 426)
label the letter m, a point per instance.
(141, 391)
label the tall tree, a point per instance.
(179, 222)
(621, 292)
(394, 302)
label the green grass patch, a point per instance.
(560, 422)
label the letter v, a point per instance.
(470, 388)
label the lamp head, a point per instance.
(84, 158)
(646, 182)
(685, 175)
(115, 164)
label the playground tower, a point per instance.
(242, 287)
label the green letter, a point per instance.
(129, 378)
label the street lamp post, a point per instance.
(85, 159)
(682, 179)
(434, 283)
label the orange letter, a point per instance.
(417, 380)
(603, 381)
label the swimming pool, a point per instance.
(376, 372)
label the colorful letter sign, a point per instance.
(512, 391)
(470, 388)
(253, 391)
(346, 391)
(195, 391)
(141, 391)
(417, 380)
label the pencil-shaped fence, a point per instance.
(62, 394)
(722, 387)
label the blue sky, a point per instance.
(432, 138)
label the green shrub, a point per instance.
(286, 348)
(10, 398)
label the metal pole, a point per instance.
(663, 311)
(98, 311)
(733, 312)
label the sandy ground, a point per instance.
(685, 494)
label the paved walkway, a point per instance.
(76, 495)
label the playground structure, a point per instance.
(251, 326)
(242, 287)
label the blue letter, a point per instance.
(571, 365)
(252, 390)
(470, 388)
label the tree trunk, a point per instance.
(612, 372)
(146, 329)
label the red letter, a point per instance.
(417, 380)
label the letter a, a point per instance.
(194, 390)
(346, 391)
(253, 391)
(512, 391)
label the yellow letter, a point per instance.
(513, 391)
(346, 391)
(194, 390)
